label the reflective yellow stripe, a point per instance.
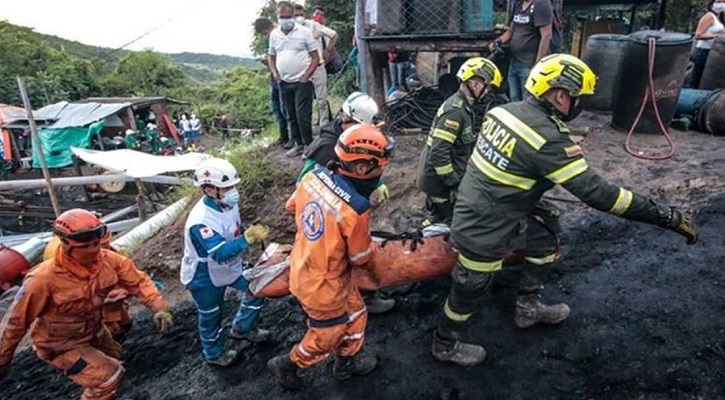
(444, 135)
(519, 128)
(429, 142)
(454, 315)
(500, 176)
(438, 200)
(543, 260)
(444, 170)
(480, 266)
(568, 172)
(623, 202)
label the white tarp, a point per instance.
(137, 164)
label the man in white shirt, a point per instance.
(293, 58)
(326, 38)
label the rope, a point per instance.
(647, 94)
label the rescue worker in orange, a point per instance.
(61, 303)
(115, 308)
(332, 214)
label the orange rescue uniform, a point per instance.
(333, 235)
(63, 301)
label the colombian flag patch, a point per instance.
(573, 151)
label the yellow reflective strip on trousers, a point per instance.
(500, 176)
(444, 170)
(543, 260)
(444, 135)
(518, 127)
(438, 200)
(454, 315)
(568, 172)
(429, 141)
(624, 200)
(480, 266)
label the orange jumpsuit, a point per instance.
(62, 301)
(333, 235)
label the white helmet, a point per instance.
(130, 132)
(360, 107)
(216, 172)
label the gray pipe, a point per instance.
(88, 180)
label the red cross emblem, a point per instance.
(207, 173)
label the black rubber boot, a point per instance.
(345, 368)
(286, 372)
(457, 352)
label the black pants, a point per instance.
(699, 57)
(297, 100)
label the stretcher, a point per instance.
(397, 259)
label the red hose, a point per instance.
(647, 94)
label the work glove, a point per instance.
(451, 180)
(381, 194)
(163, 320)
(256, 233)
(4, 370)
(683, 225)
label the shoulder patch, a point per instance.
(457, 103)
(206, 232)
(560, 125)
(573, 151)
(451, 124)
(313, 221)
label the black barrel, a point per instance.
(605, 55)
(713, 76)
(671, 57)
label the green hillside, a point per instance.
(201, 67)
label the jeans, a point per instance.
(297, 100)
(278, 110)
(209, 301)
(699, 58)
(517, 79)
(398, 74)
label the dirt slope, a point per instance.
(647, 320)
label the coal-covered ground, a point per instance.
(648, 314)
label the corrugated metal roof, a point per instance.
(135, 101)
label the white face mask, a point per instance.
(300, 20)
(231, 198)
(718, 7)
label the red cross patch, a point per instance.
(207, 173)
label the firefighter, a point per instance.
(523, 150)
(61, 303)
(214, 240)
(332, 214)
(451, 139)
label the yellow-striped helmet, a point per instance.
(562, 71)
(482, 68)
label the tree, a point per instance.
(144, 74)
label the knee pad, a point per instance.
(469, 289)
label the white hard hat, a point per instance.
(360, 107)
(150, 126)
(216, 172)
(130, 132)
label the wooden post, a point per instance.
(362, 45)
(77, 168)
(14, 145)
(141, 200)
(376, 68)
(131, 118)
(100, 141)
(38, 146)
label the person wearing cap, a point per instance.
(451, 139)
(130, 140)
(523, 151)
(214, 240)
(61, 302)
(153, 138)
(331, 208)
